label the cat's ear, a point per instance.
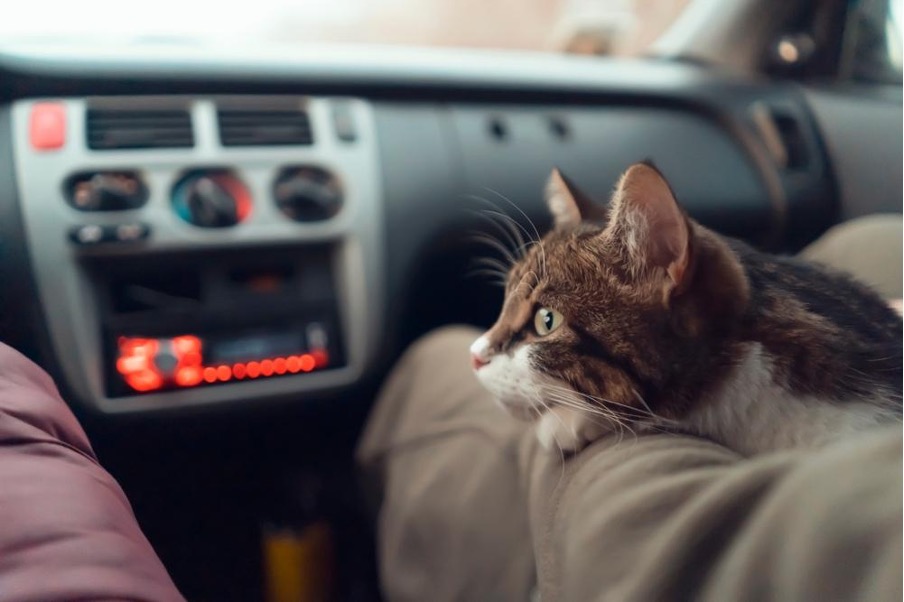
(568, 205)
(650, 226)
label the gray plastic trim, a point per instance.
(69, 299)
(355, 64)
(862, 133)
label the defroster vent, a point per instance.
(109, 129)
(263, 127)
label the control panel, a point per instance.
(196, 250)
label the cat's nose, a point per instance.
(480, 353)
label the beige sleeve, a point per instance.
(675, 518)
(442, 461)
(470, 506)
(868, 248)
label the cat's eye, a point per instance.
(547, 320)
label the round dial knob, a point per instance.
(211, 199)
(307, 194)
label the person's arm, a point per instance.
(674, 518)
(463, 492)
(67, 531)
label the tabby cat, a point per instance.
(634, 316)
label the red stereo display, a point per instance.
(151, 364)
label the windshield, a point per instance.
(623, 27)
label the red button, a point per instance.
(47, 127)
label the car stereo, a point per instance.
(189, 360)
(190, 320)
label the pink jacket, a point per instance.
(67, 531)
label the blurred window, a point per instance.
(872, 46)
(622, 27)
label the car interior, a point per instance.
(219, 250)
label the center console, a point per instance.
(194, 250)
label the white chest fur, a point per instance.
(751, 413)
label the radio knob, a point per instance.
(307, 194)
(211, 199)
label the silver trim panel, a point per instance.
(69, 298)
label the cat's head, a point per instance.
(607, 307)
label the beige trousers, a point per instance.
(471, 508)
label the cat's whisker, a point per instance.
(565, 399)
(542, 252)
(511, 225)
(599, 400)
(527, 244)
(519, 233)
(518, 286)
(532, 237)
(529, 221)
(648, 409)
(496, 245)
(607, 420)
(644, 411)
(534, 274)
(486, 272)
(514, 205)
(642, 401)
(493, 263)
(568, 402)
(881, 359)
(487, 266)
(513, 237)
(494, 279)
(624, 415)
(613, 420)
(622, 428)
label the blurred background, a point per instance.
(618, 27)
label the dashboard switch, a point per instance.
(344, 121)
(90, 234)
(47, 126)
(211, 199)
(307, 194)
(94, 234)
(130, 232)
(106, 191)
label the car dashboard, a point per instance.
(253, 228)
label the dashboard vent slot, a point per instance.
(261, 127)
(792, 136)
(781, 132)
(111, 129)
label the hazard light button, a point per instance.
(47, 125)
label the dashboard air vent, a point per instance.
(261, 127)
(110, 129)
(781, 132)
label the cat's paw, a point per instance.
(567, 429)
